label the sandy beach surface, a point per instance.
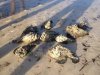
(37, 12)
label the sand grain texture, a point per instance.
(38, 62)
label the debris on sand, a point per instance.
(48, 36)
(47, 25)
(22, 51)
(4, 65)
(86, 45)
(75, 31)
(60, 54)
(92, 60)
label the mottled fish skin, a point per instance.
(47, 25)
(75, 31)
(48, 36)
(30, 31)
(60, 53)
(22, 51)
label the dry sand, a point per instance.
(71, 11)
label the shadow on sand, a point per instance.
(77, 9)
(24, 17)
(5, 6)
(55, 2)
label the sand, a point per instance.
(38, 62)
